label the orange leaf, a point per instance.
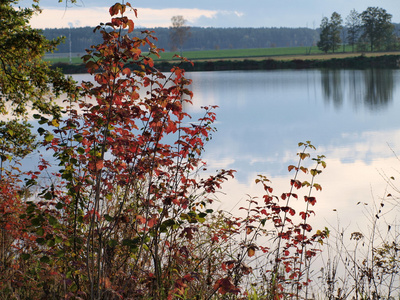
(99, 165)
(131, 26)
(251, 251)
(126, 71)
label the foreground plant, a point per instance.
(119, 216)
(275, 243)
(123, 212)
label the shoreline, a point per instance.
(352, 62)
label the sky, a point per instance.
(207, 13)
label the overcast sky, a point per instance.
(208, 13)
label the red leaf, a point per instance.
(152, 222)
(141, 219)
(99, 165)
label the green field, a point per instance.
(220, 54)
(286, 53)
(243, 53)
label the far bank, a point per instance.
(342, 61)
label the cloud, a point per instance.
(223, 19)
(77, 16)
(147, 17)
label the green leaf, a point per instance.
(51, 243)
(48, 137)
(131, 243)
(25, 256)
(59, 205)
(53, 221)
(80, 150)
(45, 259)
(41, 130)
(48, 196)
(40, 241)
(37, 221)
(30, 209)
(43, 120)
(202, 215)
(40, 231)
(112, 243)
(108, 218)
(78, 137)
(315, 172)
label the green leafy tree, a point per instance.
(16, 142)
(330, 33)
(26, 81)
(324, 41)
(353, 24)
(377, 27)
(336, 28)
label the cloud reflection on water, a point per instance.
(350, 115)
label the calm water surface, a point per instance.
(351, 116)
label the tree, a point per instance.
(330, 33)
(26, 81)
(179, 32)
(336, 27)
(324, 37)
(377, 27)
(353, 24)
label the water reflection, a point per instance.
(379, 87)
(350, 116)
(372, 87)
(331, 81)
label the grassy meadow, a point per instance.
(284, 53)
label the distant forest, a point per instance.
(200, 38)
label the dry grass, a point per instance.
(308, 57)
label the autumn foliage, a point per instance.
(123, 210)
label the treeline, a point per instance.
(199, 39)
(370, 30)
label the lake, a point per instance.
(351, 116)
